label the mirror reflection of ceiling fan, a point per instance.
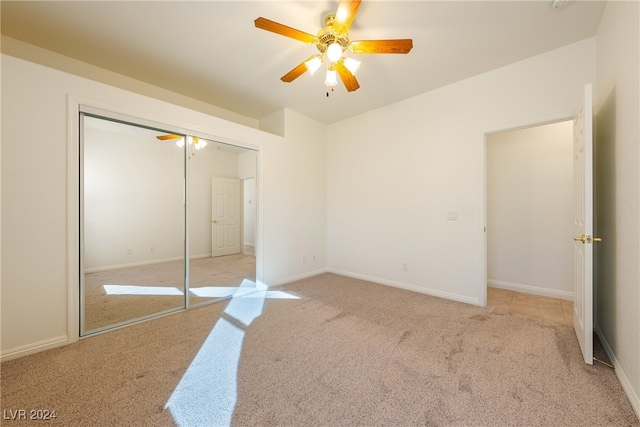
(194, 141)
(333, 41)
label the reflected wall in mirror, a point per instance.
(133, 224)
(222, 215)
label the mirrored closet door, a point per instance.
(222, 215)
(151, 199)
(134, 224)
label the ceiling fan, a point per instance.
(197, 143)
(333, 41)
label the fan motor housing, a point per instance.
(327, 36)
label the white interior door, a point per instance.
(583, 225)
(226, 216)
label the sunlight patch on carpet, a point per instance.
(141, 290)
(207, 392)
(214, 291)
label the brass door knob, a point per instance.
(587, 239)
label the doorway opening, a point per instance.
(529, 211)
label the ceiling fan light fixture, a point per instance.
(313, 64)
(333, 41)
(331, 79)
(352, 65)
(200, 143)
(334, 52)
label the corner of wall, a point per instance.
(273, 123)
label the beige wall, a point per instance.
(395, 172)
(617, 186)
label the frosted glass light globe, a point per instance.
(334, 52)
(313, 64)
(331, 79)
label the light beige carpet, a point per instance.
(347, 352)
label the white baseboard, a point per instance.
(545, 292)
(141, 263)
(249, 245)
(634, 399)
(407, 286)
(36, 347)
(290, 279)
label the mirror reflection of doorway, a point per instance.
(218, 265)
(146, 207)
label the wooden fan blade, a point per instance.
(296, 72)
(166, 137)
(274, 27)
(381, 46)
(347, 78)
(344, 15)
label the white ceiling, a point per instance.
(211, 50)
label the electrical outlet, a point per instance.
(313, 258)
(129, 252)
(304, 259)
(452, 215)
(152, 249)
(405, 266)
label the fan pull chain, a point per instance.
(328, 90)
